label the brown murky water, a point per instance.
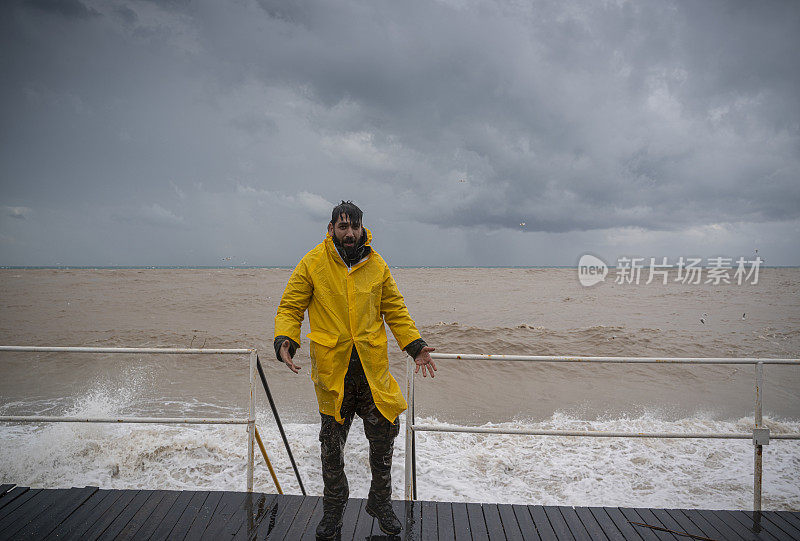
(512, 311)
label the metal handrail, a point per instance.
(760, 435)
(250, 421)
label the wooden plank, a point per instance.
(542, 523)
(186, 517)
(647, 534)
(791, 517)
(430, 523)
(574, 523)
(25, 513)
(204, 515)
(140, 516)
(416, 530)
(20, 499)
(119, 523)
(681, 522)
(608, 526)
(286, 510)
(79, 529)
(591, 525)
(768, 530)
(706, 526)
(5, 488)
(114, 514)
(108, 516)
(784, 525)
(477, 524)
(148, 525)
(165, 516)
(670, 523)
(731, 528)
(80, 515)
(258, 514)
(494, 524)
(514, 530)
(646, 516)
(303, 516)
(461, 522)
(628, 531)
(10, 496)
(310, 533)
(558, 523)
(410, 515)
(226, 509)
(69, 501)
(444, 520)
(350, 518)
(364, 525)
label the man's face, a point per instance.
(348, 234)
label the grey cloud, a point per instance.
(127, 15)
(151, 215)
(18, 213)
(575, 117)
(254, 124)
(547, 99)
(67, 8)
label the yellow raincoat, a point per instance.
(346, 307)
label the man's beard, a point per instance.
(349, 250)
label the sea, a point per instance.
(523, 311)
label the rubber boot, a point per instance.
(387, 520)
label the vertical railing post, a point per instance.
(413, 437)
(758, 449)
(409, 431)
(251, 421)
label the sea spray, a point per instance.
(546, 470)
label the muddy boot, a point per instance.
(330, 527)
(387, 520)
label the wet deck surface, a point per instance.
(90, 513)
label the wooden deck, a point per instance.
(91, 513)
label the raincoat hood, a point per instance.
(347, 307)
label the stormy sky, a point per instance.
(470, 132)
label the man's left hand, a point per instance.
(424, 360)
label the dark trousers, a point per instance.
(380, 434)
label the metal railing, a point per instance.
(760, 435)
(250, 421)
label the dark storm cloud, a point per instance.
(225, 120)
(568, 115)
(67, 8)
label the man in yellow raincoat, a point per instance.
(349, 293)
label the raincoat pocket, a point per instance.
(323, 338)
(321, 350)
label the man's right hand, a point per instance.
(287, 359)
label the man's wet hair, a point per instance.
(349, 209)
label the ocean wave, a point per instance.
(547, 470)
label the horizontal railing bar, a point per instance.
(147, 420)
(576, 359)
(59, 349)
(598, 434)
